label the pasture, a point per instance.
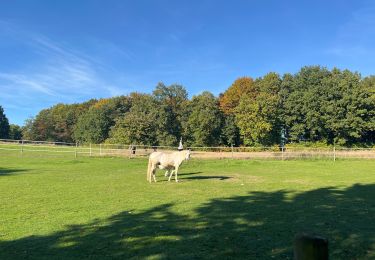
(55, 208)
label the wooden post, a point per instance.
(282, 153)
(232, 151)
(334, 152)
(75, 152)
(90, 150)
(310, 247)
(100, 149)
(21, 148)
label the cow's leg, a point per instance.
(170, 176)
(150, 172)
(153, 173)
(175, 173)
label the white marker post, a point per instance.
(180, 147)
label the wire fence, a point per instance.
(27, 148)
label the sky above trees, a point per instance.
(71, 51)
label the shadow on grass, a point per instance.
(189, 173)
(210, 177)
(7, 172)
(260, 225)
(182, 177)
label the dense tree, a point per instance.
(303, 105)
(139, 125)
(94, 126)
(15, 132)
(114, 107)
(28, 129)
(43, 128)
(4, 125)
(230, 99)
(257, 116)
(368, 87)
(348, 108)
(329, 106)
(313, 105)
(63, 118)
(285, 90)
(174, 96)
(230, 133)
(203, 127)
(171, 101)
(56, 123)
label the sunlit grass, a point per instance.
(104, 208)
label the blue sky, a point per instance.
(71, 51)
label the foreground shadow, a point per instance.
(260, 225)
(6, 171)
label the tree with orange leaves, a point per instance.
(231, 97)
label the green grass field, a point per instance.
(55, 208)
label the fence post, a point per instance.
(75, 151)
(282, 153)
(232, 151)
(100, 149)
(22, 148)
(334, 152)
(90, 150)
(310, 246)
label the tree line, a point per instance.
(315, 105)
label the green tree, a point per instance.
(230, 133)
(203, 126)
(92, 127)
(63, 118)
(170, 101)
(115, 107)
(55, 123)
(328, 106)
(43, 128)
(174, 96)
(15, 132)
(348, 111)
(60, 122)
(28, 129)
(140, 124)
(368, 87)
(303, 106)
(4, 124)
(258, 116)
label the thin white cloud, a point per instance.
(60, 71)
(112, 49)
(22, 80)
(57, 72)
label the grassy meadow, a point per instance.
(61, 207)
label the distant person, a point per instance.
(133, 148)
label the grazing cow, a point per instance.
(166, 161)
